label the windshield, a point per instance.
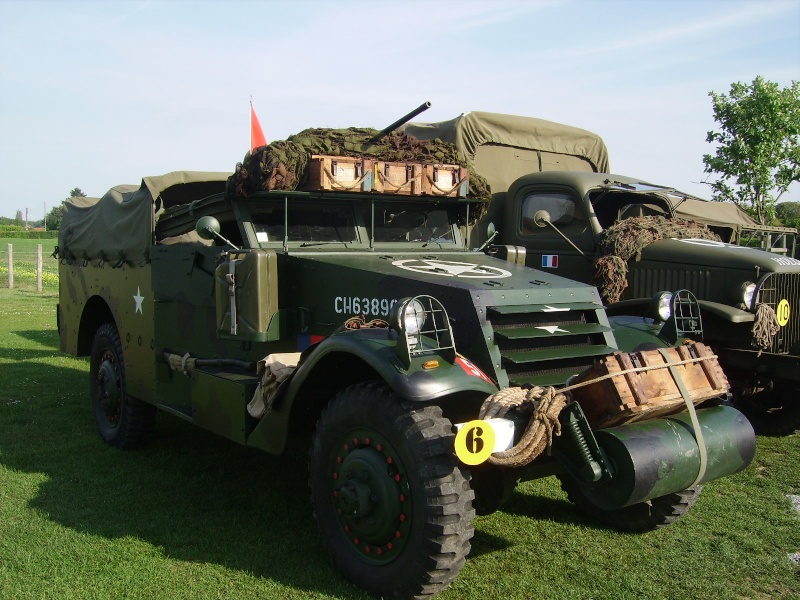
(353, 223)
(409, 223)
(306, 223)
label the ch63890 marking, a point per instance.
(356, 305)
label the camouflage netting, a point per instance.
(626, 239)
(282, 165)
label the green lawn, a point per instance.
(194, 516)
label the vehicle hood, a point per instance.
(718, 254)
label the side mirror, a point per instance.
(541, 218)
(491, 232)
(207, 228)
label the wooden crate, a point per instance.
(449, 181)
(635, 396)
(339, 174)
(403, 178)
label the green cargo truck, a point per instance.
(556, 207)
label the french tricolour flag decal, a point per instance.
(549, 261)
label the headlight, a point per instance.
(422, 327)
(747, 291)
(661, 306)
(413, 316)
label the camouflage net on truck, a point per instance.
(626, 239)
(282, 165)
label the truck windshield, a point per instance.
(410, 223)
(306, 223)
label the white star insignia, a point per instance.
(138, 298)
(548, 308)
(552, 328)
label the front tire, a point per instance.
(393, 506)
(637, 518)
(122, 421)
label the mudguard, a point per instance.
(428, 377)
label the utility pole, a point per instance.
(45, 215)
(26, 218)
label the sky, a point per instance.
(98, 93)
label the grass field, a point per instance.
(194, 516)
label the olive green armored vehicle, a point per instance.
(361, 321)
(555, 206)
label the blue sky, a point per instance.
(99, 93)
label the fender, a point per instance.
(428, 377)
(724, 311)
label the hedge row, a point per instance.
(41, 235)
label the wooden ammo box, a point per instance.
(450, 181)
(339, 174)
(398, 178)
(618, 397)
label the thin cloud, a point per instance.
(748, 15)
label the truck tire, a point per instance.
(774, 412)
(122, 421)
(637, 518)
(392, 505)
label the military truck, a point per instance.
(362, 322)
(556, 207)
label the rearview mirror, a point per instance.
(541, 218)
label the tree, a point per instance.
(76, 193)
(789, 213)
(20, 220)
(758, 152)
(54, 217)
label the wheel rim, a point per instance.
(371, 496)
(109, 389)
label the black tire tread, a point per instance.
(638, 518)
(137, 418)
(447, 528)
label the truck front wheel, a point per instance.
(392, 504)
(637, 518)
(122, 421)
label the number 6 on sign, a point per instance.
(475, 442)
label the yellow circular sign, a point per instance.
(782, 312)
(475, 442)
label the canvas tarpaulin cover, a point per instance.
(120, 225)
(725, 214)
(504, 147)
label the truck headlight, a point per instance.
(746, 293)
(423, 327)
(414, 316)
(661, 306)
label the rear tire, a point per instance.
(637, 518)
(122, 421)
(392, 505)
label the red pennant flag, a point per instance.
(256, 135)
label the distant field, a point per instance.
(195, 516)
(24, 263)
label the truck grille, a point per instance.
(646, 282)
(546, 345)
(773, 288)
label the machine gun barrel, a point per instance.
(402, 120)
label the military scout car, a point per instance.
(555, 207)
(361, 320)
